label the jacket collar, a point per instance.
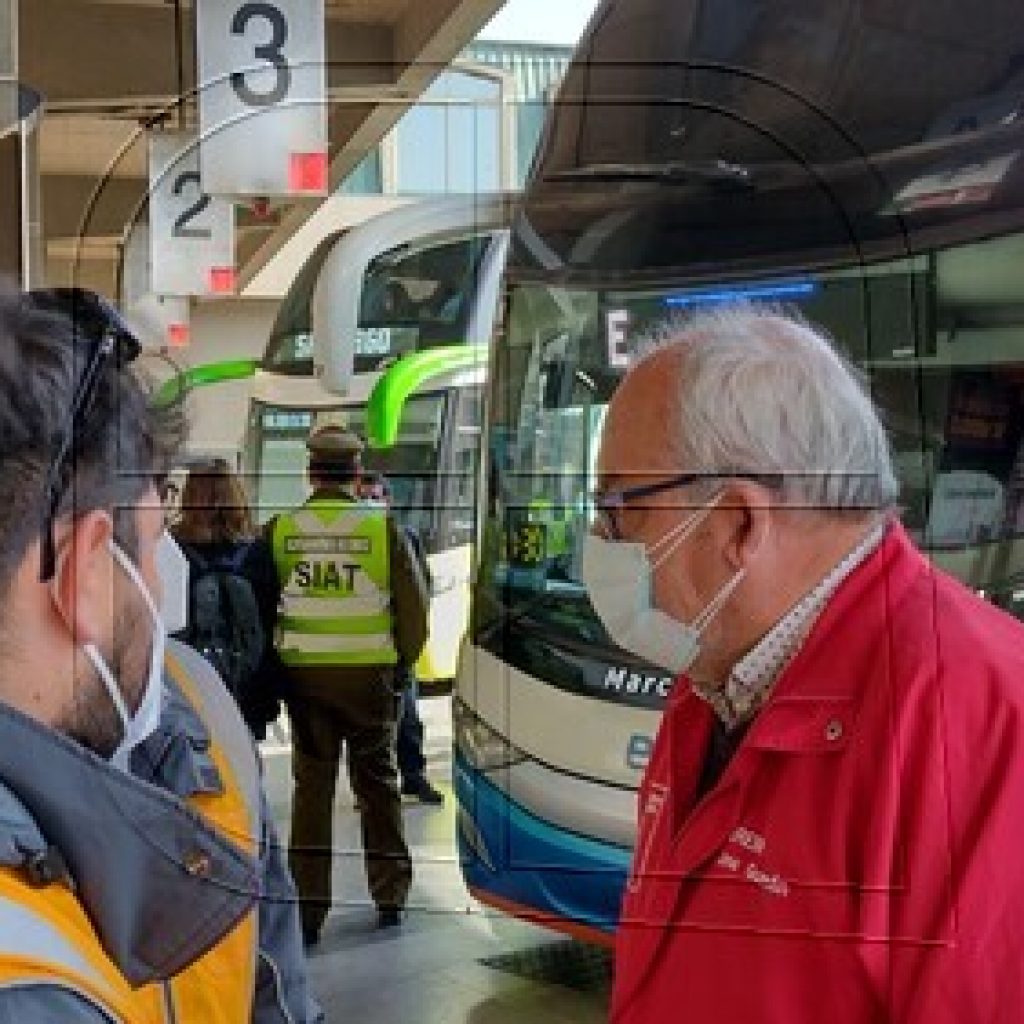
(177, 756)
(813, 707)
(160, 886)
(21, 842)
(334, 492)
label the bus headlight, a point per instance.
(483, 747)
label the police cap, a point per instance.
(334, 452)
(334, 444)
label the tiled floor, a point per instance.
(452, 962)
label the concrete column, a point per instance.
(10, 206)
(33, 255)
(21, 242)
(10, 145)
(8, 39)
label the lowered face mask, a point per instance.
(142, 724)
(619, 575)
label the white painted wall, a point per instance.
(225, 329)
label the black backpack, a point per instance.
(224, 618)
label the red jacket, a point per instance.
(862, 857)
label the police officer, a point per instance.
(139, 875)
(353, 605)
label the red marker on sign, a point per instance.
(223, 280)
(178, 335)
(307, 172)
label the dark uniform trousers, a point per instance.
(355, 710)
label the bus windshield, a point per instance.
(411, 299)
(418, 298)
(940, 337)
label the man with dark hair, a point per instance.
(134, 841)
(353, 606)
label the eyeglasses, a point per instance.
(610, 505)
(99, 326)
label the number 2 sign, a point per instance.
(262, 94)
(192, 234)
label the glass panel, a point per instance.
(530, 119)
(460, 504)
(411, 464)
(463, 110)
(367, 178)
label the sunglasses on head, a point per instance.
(105, 338)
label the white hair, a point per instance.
(760, 392)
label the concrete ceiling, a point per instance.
(108, 68)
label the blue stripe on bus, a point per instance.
(536, 864)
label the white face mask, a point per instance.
(619, 575)
(141, 725)
(172, 568)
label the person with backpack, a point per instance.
(233, 591)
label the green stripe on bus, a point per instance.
(204, 375)
(387, 400)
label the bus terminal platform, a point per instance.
(453, 961)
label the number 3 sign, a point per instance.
(262, 93)
(192, 234)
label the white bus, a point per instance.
(406, 304)
(861, 167)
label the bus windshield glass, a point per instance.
(411, 299)
(418, 298)
(938, 336)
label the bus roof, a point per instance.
(689, 137)
(407, 377)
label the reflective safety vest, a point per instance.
(334, 565)
(56, 944)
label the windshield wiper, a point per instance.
(710, 171)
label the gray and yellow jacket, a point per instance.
(159, 897)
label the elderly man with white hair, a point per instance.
(831, 822)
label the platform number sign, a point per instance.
(192, 234)
(262, 97)
(272, 52)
